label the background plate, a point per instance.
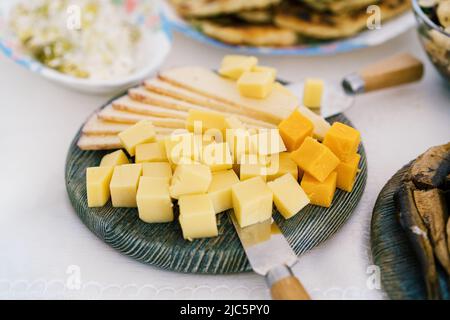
(369, 38)
(145, 14)
(401, 275)
(162, 245)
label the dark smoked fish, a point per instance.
(418, 237)
(433, 210)
(430, 169)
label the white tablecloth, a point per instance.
(47, 252)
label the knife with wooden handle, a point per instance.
(396, 70)
(271, 256)
(390, 72)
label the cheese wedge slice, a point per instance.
(110, 114)
(277, 106)
(125, 103)
(148, 97)
(167, 89)
(96, 126)
(100, 142)
(321, 126)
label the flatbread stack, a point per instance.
(282, 23)
(167, 99)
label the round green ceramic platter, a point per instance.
(163, 246)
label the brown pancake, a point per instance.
(339, 6)
(245, 34)
(206, 8)
(325, 25)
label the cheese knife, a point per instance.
(271, 256)
(390, 72)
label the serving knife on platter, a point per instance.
(271, 256)
(390, 72)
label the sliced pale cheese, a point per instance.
(110, 114)
(148, 97)
(99, 127)
(167, 89)
(103, 142)
(277, 106)
(125, 103)
(321, 126)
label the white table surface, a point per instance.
(44, 246)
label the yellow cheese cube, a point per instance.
(199, 121)
(320, 193)
(346, 173)
(233, 66)
(256, 85)
(239, 142)
(197, 217)
(284, 165)
(252, 201)
(113, 159)
(217, 156)
(288, 196)
(343, 140)
(124, 184)
(271, 71)
(185, 145)
(220, 189)
(141, 132)
(97, 185)
(266, 142)
(254, 166)
(312, 93)
(161, 170)
(232, 122)
(153, 200)
(295, 129)
(151, 152)
(315, 159)
(190, 179)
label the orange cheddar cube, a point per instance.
(320, 193)
(346, 173)
(343, 140)
(295, 129)
(315, 159)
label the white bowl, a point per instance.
(157, 43)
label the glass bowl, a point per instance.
(435, 41)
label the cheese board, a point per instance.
(163, 246)
(193, 148)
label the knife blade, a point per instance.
(271, 256)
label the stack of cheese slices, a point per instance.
(243, 144)
(167, 99)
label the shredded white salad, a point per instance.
(83, 38)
